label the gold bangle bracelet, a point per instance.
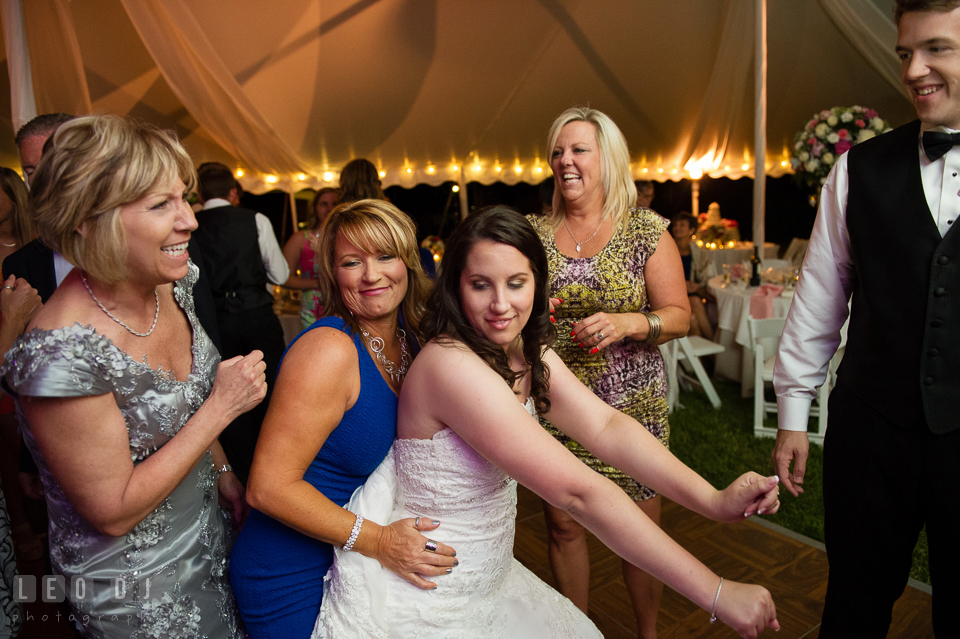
(656, 327)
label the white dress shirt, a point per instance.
(277, 268)
(812, 332)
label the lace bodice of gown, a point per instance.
(489, 594)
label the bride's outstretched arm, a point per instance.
(623, 443)
(457, 389)
(318, 381)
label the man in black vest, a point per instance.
(240, 256)
(884, 234)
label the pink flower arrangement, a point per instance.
(828, 135)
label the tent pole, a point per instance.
(462, 181)
(695, 198)
(760, 129)
(294, 227)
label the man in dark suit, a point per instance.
(884, 239)
(241, 256)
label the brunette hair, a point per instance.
(445, 319)
(312, 216)
(375, 226)
(13, 187)
(906, 6)
(360, 180)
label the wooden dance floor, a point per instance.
(794, 571)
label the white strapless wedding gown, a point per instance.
(489, 595)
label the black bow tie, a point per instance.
(936, 143)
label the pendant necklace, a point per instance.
(377, 345)
(156, 316)
(586, 240)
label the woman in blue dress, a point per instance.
(331, 421)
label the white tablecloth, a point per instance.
(743, 252)
(733, 310)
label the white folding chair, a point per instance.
(763, 333)
(691, 349)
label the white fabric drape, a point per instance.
(724, 95)
(871, 33)
(59, 81)
(199, 78)
(23, 106)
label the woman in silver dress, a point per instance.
(115, 389)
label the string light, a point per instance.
(456, 167)
(301, 177)
(498, 169)
(660, 170)
(456, 188)
(745, 166)
(383, 174)
(239, 173)
(328, 176)
(272, 179)
(518, 169)
(539, 169)
(431, 169)
(477, 167)
(645, 169)
(409, 170)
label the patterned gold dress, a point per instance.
(628, 375)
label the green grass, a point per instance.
(719, 444)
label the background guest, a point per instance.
(697, 269)
(240, 255)
(331, 421)
(644, 194)
(300, 253)
(115, 385)
(619, 283)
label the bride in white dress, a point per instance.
(464, 439)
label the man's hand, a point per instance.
(792, 446)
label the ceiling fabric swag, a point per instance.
(724, 96)
(872, 33)
(202, 82)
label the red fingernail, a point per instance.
(573, 334)
(552, 321)
(560, 301)
(595, 350)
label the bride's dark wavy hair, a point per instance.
(444, 319)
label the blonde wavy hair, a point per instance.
(96, 166)
(619, 191)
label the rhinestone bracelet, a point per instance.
(354, 533)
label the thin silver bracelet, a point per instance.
(354, 533)
(713, 615)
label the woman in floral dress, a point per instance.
(116, 396)
(618, 280)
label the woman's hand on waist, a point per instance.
(401, 548)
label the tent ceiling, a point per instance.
(415, 84)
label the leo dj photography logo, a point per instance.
(53, 588)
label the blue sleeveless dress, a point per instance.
(277, 573)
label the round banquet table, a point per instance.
(741, 253)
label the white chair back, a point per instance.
(795, 252)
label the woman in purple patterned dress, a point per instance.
(619, 282)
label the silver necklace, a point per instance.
(116, 319)
(377, 345)
(575, 237)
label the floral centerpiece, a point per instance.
(828, 135)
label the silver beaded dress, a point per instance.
(168, 576)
